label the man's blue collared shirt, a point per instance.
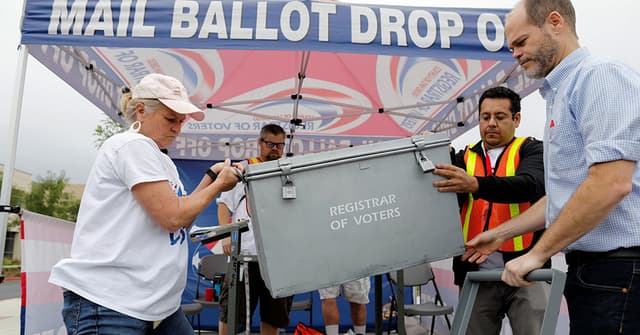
(593, 116)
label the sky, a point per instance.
(56, 123)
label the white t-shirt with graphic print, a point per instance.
(120, 258)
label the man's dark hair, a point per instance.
(501, 92)
(272, 129)
(539, 10)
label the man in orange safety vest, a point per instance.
(496, 179)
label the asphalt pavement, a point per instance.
(10, 289)
(10, 293)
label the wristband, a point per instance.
(211, 174)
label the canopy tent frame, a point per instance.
(108, 80)
(14, 127)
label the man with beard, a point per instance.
(274, 313)
(497, 179)
(592, 148)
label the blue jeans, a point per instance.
(82, 316)
(603, 296)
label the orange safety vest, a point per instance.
(254, 160)
(475, 211)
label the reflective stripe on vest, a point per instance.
(474, 211)
(471, 168)
(514, 209)
(254, 160)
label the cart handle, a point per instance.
(535, 275)
(470, 291)
(210, 234)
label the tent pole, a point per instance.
(302, 74)
(12, 134)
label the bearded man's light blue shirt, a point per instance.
(593, 116)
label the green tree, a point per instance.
(48, 197)
(107, 128)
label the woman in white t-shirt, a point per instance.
(128, 262)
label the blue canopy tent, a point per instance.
(333, 74)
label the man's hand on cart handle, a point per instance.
(518, 268)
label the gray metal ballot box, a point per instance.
(327, 218)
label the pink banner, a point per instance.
(45, 240)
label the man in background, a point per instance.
(357, 293)
(274, 312)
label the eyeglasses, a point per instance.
(272, 145)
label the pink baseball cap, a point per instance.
(169, 91)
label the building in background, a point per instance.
(22, 181)
(75, 189)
